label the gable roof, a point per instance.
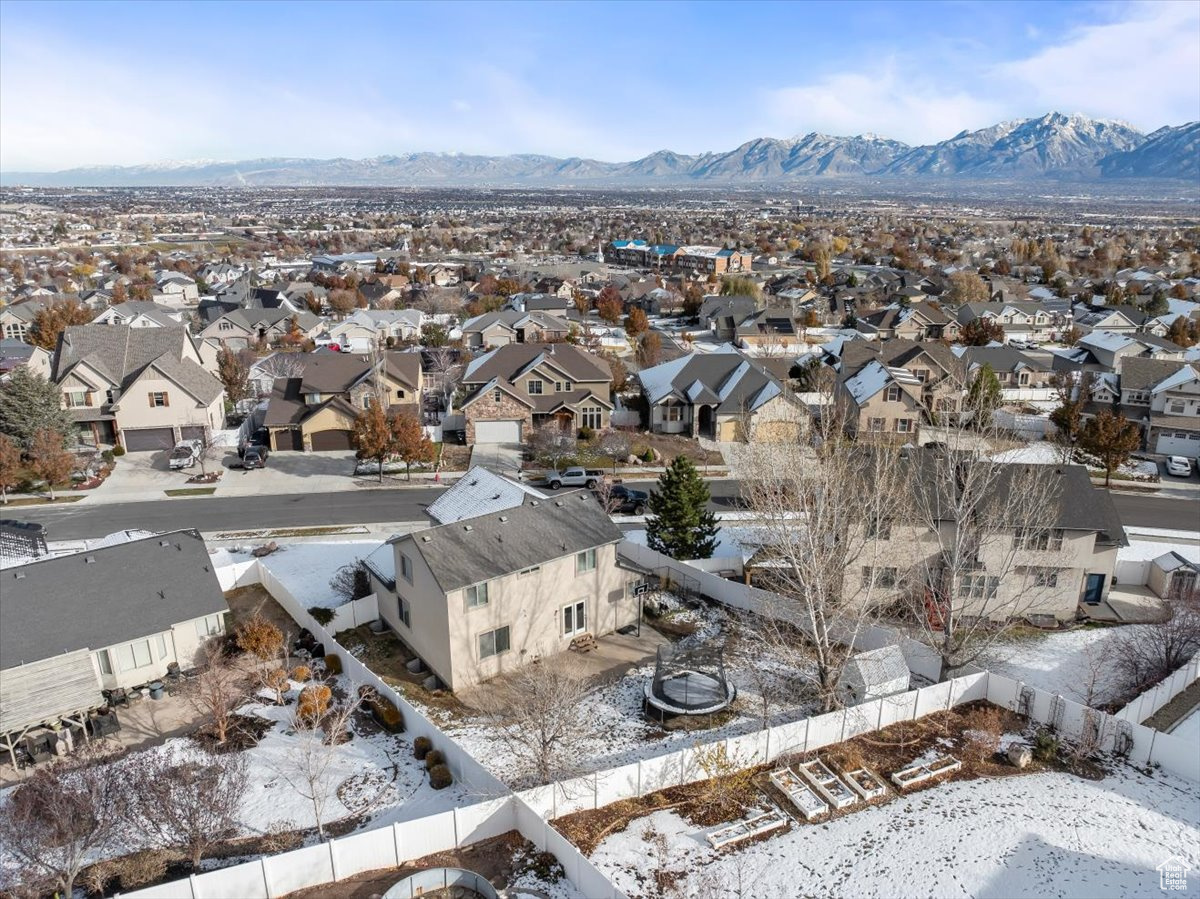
(725, 378)
(105, 596)
(1145, 374)
(479, 492)
(873, 377)
(1001, 358)
(509, 362)
(122, 354)
(503, 542)
(898, 353)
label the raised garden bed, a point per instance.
(919, 773)
(865, 783)
(746, 828)
(828, 784)
(798, 793)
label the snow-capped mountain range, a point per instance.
(1057, 146)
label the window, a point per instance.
(590, 417)
(496, 395)
(404, 611)
(903, 425)
(893, 394)
(875, 424)
(574, 619)
(585, 561)
(492, 643)
(672, 413)
(562, 387)
(226, 326)
(76, 398)
(406, 570)
(978, 586)
(400, 393)
(921, 374)
(134, 655)
(1176, 407)
(104, 662)
(477, 596)
(525, 572)
(1044, 577)
(535, 387)
(1023, 378)
(1040, 539)
(208, 627)
(366, 401)
(159, 400)
(161, 641)
(881, 577)
(110, 395)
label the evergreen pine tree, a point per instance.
(28, 404)
(680, 524)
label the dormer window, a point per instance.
(535, 387)
(312, 398)
(893, 394)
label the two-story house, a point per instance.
(1115, 319)
(521, 386)
(723, 395)
(142, 388)
(1164, 397)
(1021, 319)
(487, 594)
(873, 406)
(1063, 555)
(917, 321)
(365, 329)
(1021, 376)
(505, 326)
(140, 314)
(243, 328)
(315, 410)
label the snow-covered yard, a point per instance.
(1050, 834)
(1189, 727)
(305, 568)
(1068, 662)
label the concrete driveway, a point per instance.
(503, 458)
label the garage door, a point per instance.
(498, 432)
(1178, 443)
(145, 440)
(330, 440)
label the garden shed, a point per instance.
(875, 674)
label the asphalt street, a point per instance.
(212, 514)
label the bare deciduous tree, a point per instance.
(62, 816)
(218, 688)
(190, 803)
(1143, 655)
(539, 715)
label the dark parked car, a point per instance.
(261, 437)
(255, 457)
(625, 499)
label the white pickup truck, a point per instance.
(574, 477)
(185, 454)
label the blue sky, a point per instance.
(126, 83)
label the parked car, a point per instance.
(1179, 466)
(185, 454)
(575, 477)
(261, 437)
(255, 457)
(627, 500)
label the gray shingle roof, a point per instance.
(126, 592)
(508, 362)
(489, 546)
(1142, 374)
(123, 353)
(726, 377)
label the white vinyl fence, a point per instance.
(1161, 693)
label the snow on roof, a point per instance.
(878, 667)
(1172, 560)
(1185, 375)
(658, 381)
(1106, 340)
(383, 562)
(479, 492)
(873, 377)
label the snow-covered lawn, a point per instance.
(1189, 727)
(1068, 662)
(623, 733)
(1049, 834)
(305, 568)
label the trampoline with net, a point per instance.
(688, 682)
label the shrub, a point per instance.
(981, 734)
(440, 777)
(333, 665)
(301, 673)
(108, 456)
(1045, 746)
(321, 615)
(544, 865)
(141, 868)
(313, 704)
(118, 450)
(648, 455)
(388, 716)
(433, 758)
(260, 638)
(422, 747)
(586, 433)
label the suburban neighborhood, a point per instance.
(820, 518)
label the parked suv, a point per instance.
(185, 454)
(261, 437)
(255, 457)
(627, 500)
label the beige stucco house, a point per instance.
(484, 595)
(142, 388)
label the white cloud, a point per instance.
(1143, 68)
(894, 101)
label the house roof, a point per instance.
(726, 378)
(1146, 374)
(479, 492)
(1001, 358)
(510, 540)
(105, 596)
(122, 354)
(509, 362)
(897, 353)
(873, 377)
